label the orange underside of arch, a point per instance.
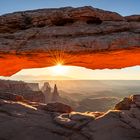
(11, 63)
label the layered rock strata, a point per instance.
(85, 36)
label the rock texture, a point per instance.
(58, 107)
(49, 95)
(55, 94)
(34, 86)
(32, 121)
(8, 87)
(42, 38)
(46, 89)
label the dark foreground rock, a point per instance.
(58, 107)
(31, 121)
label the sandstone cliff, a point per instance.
(46, 89)
(21, 88)
(50, 96)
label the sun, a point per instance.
(59, 69)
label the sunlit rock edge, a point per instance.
(44, 37)
(22, 119)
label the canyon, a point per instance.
(27, 118)
(32, 92)
(22, 119)
(23, 89)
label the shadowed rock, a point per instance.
(125, 104)
(43, 124)
(58, 107)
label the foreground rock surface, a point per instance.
(40, 38)
(58, 107)
(31, 121)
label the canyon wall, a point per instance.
(21, 88)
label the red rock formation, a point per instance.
(125, 104)
(128, 102)
(34, 86)
(18, 88)
(58, 107)
(55, 94)
(46, 89)
(10, 96)
(85, 36)
(56, 121)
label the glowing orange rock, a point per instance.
(85, 36)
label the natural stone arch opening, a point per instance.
(63, 72)
(12, 63)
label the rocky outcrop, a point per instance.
(11, 96)
(55, 94)
(34, 86)
(58, 107)
(41, 123)
(125, 104)
(74, 120)
(16, 86)
(41, 38)
(55, 17)
(128, 102)
(46, 89)
(133, 18)
(20, 88)
(49, 95)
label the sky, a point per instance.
(123, 7)
(75, 73)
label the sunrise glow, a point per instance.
(73, 72)
(59, 69)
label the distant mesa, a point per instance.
(55, 94)
(30, 91)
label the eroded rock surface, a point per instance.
(31, 121)
(58, 107)
(41, 38)
(20, 89)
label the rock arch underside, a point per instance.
(84, 36)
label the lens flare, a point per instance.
(59, 69)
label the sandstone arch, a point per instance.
(87, 37)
